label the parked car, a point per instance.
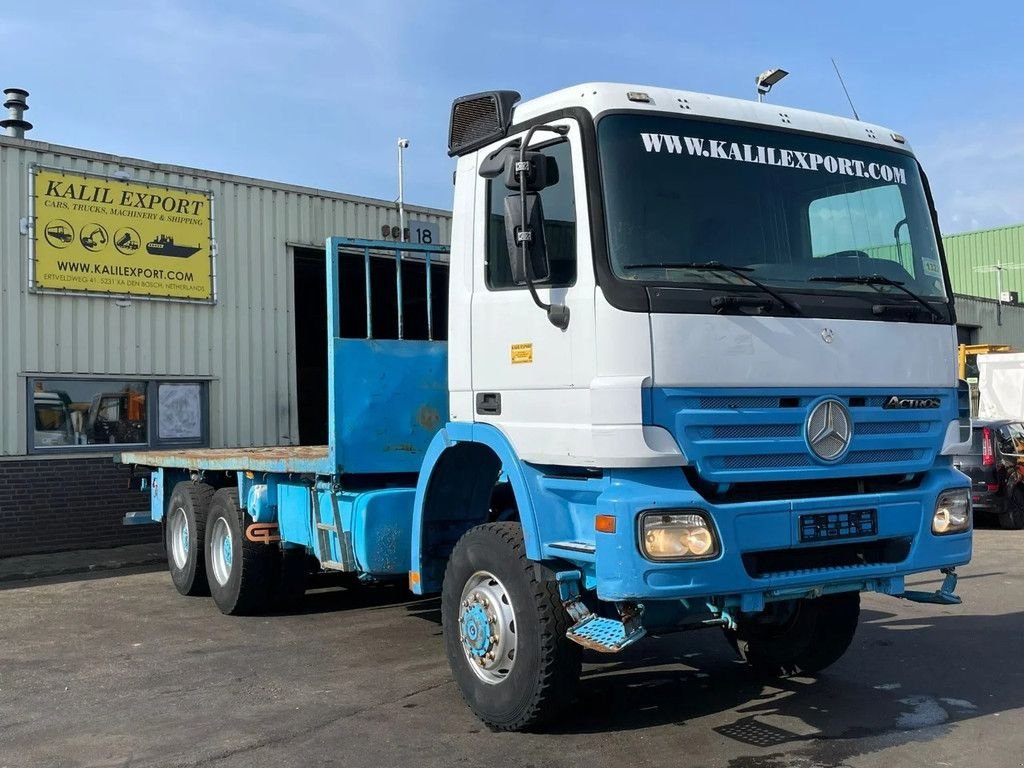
(995, 464)
(53, 420)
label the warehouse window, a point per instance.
(95, 414)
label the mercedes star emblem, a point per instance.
(829, 430)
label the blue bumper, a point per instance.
(762, 557)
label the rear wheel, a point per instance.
(241, 573)
(1013, 515)
(504, 629)
(184, 533)
(798, 636)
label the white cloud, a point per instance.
(977, 176)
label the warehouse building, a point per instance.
(986, 268)
(152, 305)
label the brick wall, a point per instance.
(51, 505)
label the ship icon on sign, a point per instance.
(164, 245)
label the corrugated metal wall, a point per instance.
(244, 344)
(982, 315)
(971, 254)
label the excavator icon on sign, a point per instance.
(94, 237)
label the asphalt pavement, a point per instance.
(114, 668)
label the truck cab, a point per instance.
(720, 368)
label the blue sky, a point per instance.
(316, 92)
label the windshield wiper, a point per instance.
(717, 266)
(875, 281)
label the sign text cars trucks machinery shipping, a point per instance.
(700, 371)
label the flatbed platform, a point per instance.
(281, 458)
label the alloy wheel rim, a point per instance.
(221, 551)
(487, 627)
(179, 538)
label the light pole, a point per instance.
(403, 144)
(766, 80)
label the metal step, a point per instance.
(327, 527)
(333, 565)
(601, 634)
(944, 595)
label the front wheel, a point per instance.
(798, 636)
(504, 631)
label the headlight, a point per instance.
(677, 536)
(952, 512)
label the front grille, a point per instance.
(718, 403)
(892, 427)
(879, 457)
(738, 437)
(803, 560)
(748, 431)
(763, 461)
(775, 460)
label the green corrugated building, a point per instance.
(972, 258)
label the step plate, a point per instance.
(604, 635)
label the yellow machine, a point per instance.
(967, 366)
(968, 354)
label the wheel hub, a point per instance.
(476, 630)
(487, 628)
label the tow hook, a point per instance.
(944, 595)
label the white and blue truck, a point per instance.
(693, 365)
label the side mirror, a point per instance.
(527, 250)
(543, 171)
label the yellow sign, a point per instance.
(100, 235)
(522, 353)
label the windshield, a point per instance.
(790, 209)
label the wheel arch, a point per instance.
(461, 466)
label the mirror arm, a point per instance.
(896, 235)
(558, 314)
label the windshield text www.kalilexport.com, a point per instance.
(762, 155)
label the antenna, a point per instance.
(836, 67)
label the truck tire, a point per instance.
(241, 573)
(799, 636)
(184, 534)
(1012, 518)
(504, 628)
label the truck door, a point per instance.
(528, 376)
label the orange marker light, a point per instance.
(604, 523)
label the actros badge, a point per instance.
(895, 401)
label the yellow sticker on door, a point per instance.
(522, 353)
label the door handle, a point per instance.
(488, 403)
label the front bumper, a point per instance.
(761, 555)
